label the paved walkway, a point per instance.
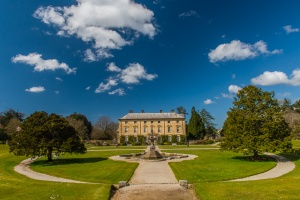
(23, 168)
(283, 166)
(154, 180)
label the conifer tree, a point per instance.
(196, 126)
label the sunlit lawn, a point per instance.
(212, 166)
(91, 167)
(15, 186)
(205, 172)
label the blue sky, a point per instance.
(107, 57)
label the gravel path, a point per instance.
(283, 166)
(23, 168)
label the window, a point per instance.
(126, 122)
(151, 129)
(169, 138)
(151, 122)
(158, 122)
(135, 130)
(169, 122)
(169, 129)
(126, 138)
(145, 129)
(177, 121)
(135, 122)
(178, 138)
(145, 122)
(158, 129)
(126, 130)
(178, 129)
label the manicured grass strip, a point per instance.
(116, 148)
(161, 147)
(16, 186)
(214, 165)
(89, 167)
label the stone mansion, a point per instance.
(144, 124)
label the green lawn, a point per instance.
(205, 172)
(15, 186)
(90, 167)
(214, 165)
(184, 147)
(116, 148)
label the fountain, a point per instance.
(152, 154)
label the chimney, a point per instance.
(130, 111)
(172, 111)
(143, 111)
(160, 111)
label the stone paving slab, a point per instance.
(153, 173)
(155, 192)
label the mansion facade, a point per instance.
(161, 125)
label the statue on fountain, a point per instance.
(152, 154)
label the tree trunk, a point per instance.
(256, 156)
(49, 155)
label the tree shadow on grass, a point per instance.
(249, 158)
(68, 161)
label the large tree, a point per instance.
(255, 124)
(42, 134)
(296, 106)
(80, 127)
(105, 128)
(196, 126)
(86, 122)
(181, 110)
(209, 126)
(6, 116)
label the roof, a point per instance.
(153, 116)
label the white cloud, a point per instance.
(277, 77)
(237, 50)
(106, 86)
(113, 68)
(89, 56)
(229, 96)
(190, 13)
(234, 89)
(59, 79)
(118, 91)
(288, 29)
(36, 89)
(208, 101)
(284, 94)
(100, 22)
(35, 59)
(88, 88)
(134, 73)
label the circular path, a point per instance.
(23, 168)
(283, 166)
(157, 176)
